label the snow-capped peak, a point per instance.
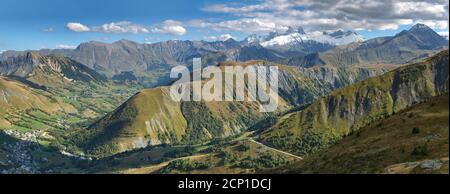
(252, 39)
(294, 36)
(284, 40)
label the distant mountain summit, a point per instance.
(151, 63)
(420, 36)
(298, 39)
(407, 46)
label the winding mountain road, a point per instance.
(156, 167)
(275, 150)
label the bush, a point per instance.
(309, 142)
(264, 124)
(243, 147)
(421, 150)
(199, 118)
(415, 130)
(229, 159)
(186, 165)
(266, 160)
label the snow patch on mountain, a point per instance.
(299, 36)
(284, 40)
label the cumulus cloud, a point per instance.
(121, 27)
(170, 27)
(248, 25)
(270, 15)
(113, 27)
(65, 46)
(222, 37)
(77, 27)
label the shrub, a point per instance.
(229, 158)
(415, 130)
(243, 147)
(186, 165)
(199, 118)
(266, 160)
(421, 150)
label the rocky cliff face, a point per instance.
(355, 106)
(303, 85)
(18, 66)
(49, 70)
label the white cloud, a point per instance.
(49, 29)
(170, 27)
(121, 27)
(421, 8)
(77, 27)
(323, 15)
(223, 8)
(247, 25)
(2, 51)
(113, 27)
(222, 37)
(444, 34)
(388, 26)
(65, 46)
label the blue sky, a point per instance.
(31, 24)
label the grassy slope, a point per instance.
(16, 97)
(388, 142)
(217, 162)
(125, 129)
(57, 93)
(149, 117)
(350, 108)
(152, 118)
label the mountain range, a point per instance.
(405, 47)
(299, 40)
(106, 107)
(151, 63)
(151, 118)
